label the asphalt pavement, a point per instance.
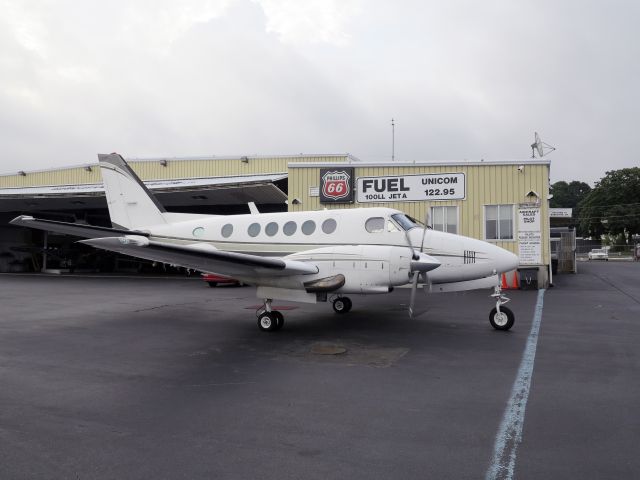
(141, 378)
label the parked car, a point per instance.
(214, 280)
(599, 254)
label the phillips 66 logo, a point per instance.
(336, 185)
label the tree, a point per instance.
(568, 195)
(613, 206)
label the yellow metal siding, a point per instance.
(175, 169)
(485, 185)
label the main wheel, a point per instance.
(503, 320)
(268, 322)
(279, 319)
(342, 305)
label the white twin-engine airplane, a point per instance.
(297, 256)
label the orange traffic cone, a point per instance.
(516, 285)
(504, 284)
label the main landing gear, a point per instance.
(500, 317)
(341, 304)
(269, 320)
(273, 320)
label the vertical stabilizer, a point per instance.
(131, 204)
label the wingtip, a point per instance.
(21, 219)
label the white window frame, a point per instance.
(513, 222)
(457, 232)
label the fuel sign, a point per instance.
(412, 188)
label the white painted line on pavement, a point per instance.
(510, 433)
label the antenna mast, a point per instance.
(393, 140)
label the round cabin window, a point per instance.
(289, 228)
(329, 225)
(227, 230)
(271, 229)
(253, 230)
(308, 227)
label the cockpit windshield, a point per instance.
(405, 222)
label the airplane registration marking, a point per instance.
(509, 434)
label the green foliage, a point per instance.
(613, 206)
(568, 195)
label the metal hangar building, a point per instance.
(504, 202)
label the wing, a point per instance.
(197, 256)
(77, 229)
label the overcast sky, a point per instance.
(463, 80)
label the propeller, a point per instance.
(421, 264)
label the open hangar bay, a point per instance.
(166, 378)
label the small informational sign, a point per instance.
(560, 212)
(314, 191)
(412, 188)
(336, 185)
(529, 236)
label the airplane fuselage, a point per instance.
(368, 245)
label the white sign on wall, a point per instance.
(412, 188)
(560, 212)
(529, 236)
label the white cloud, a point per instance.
(311, 21)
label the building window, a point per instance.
(498, 222)
(329, 225)
(271, 229)
(374, 225)
(289, 228)
(308, 227)
(445, 219)
(227, 230)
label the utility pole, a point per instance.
(393, 140)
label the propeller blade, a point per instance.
(414, 255)
(424, 231)
(414, 287)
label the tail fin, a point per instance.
(131, 204)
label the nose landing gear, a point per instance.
(501, 317)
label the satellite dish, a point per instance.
(539, 146)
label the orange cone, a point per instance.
(516, 285)
(504, 284)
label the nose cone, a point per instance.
(504, 260)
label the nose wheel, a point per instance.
(501, 317)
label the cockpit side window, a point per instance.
(374, 225)
(404, 221)
(392, 227)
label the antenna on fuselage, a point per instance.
(252, 208)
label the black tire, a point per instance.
(279, 319)
(342, 305)
(504, 321)
(267, 322)
(213, 284)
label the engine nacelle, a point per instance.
(366, 268)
